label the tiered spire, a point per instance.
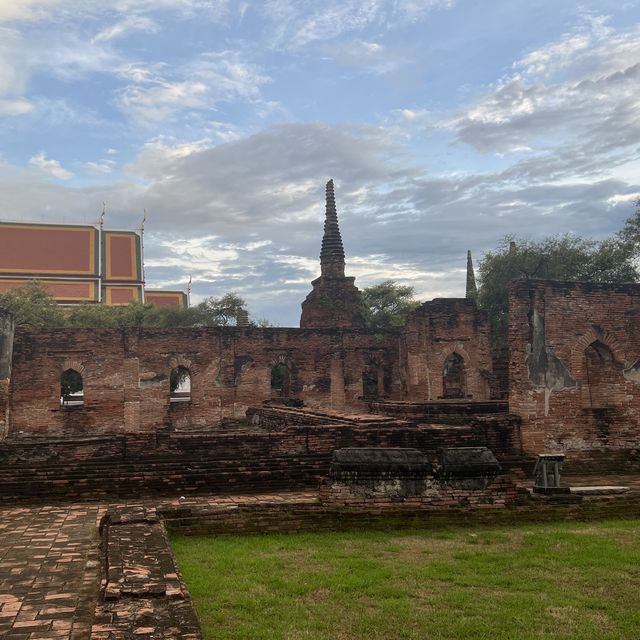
(332, 251)
(472, 290)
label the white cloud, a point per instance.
(161, 100)
(572, 106)
(372, 57)
(299, 22)
(101, 167)
(50, 166)
(13, 75)
(125, 26)
(624, 198)
(211, 78)
(15, 107)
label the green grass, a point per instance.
(562, 580)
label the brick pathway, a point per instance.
(49, 571)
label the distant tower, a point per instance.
(242, 319)
(472, 290)
(335, 301)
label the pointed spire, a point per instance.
(332, 251)
(472, 290)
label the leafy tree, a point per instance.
(218, 312)
(557, 258)
(32, 305)
(388, 304)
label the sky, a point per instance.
(445, 124)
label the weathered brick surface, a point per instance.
(588, 405)
(497, 492)
(333, 302)
(305, 512)
(126, 374)
(290, 456)
(435, 331)
(142, 593)
(49, 571)
(4, 405)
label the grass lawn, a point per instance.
(561, 580)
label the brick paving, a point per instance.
(49, 571)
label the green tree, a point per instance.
(218, 312)
(388, 304)
(33, 305)
(556, 258)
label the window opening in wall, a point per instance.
(453, 377)
(180, 384)
(280, 381)
(71, 389)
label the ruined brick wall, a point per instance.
(181, 462)
(436, 331)
(574, 370)
(126, 374)
(6, 355)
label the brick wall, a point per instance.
(126, 374)
(573, 373)
(167, 462)
(436, 331)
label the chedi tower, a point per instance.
(335, 301)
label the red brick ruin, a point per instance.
(267, 407)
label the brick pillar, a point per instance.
(6, 355)
(131, 395)
(337, 383)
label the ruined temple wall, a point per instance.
(6, 354)
(435, 331)
(126, 374)
(40, 358)
(551, 385)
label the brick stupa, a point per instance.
(335, 301)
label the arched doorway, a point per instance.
(453, 377)
(280, 381)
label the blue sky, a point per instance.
(446, 124)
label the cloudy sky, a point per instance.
(445, 124)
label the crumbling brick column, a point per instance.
(6, 355)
